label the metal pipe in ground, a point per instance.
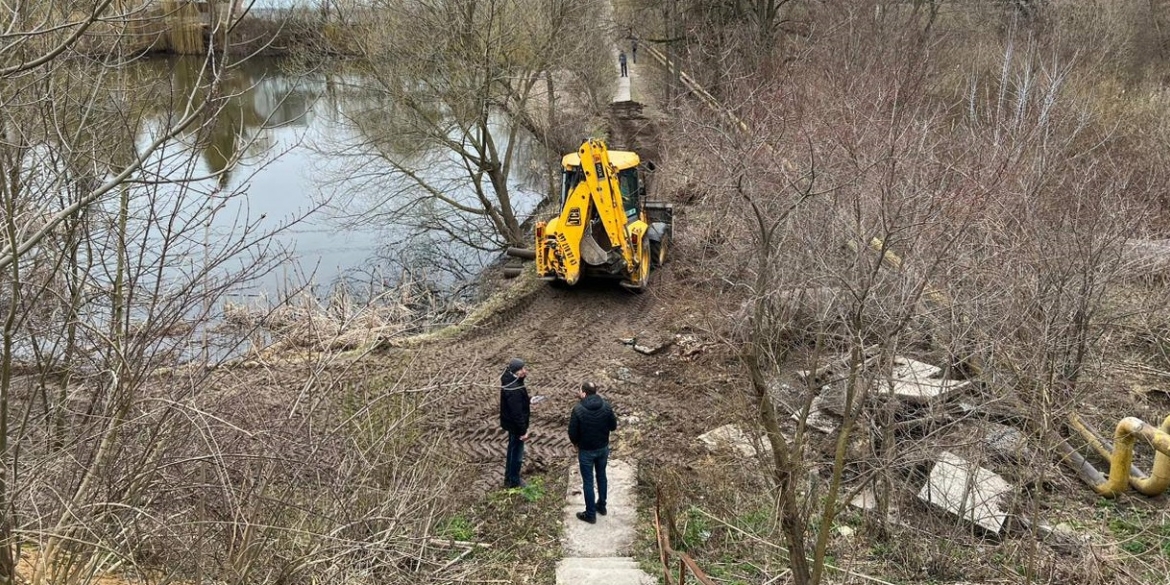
(1121, 458)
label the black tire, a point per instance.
(659, 250)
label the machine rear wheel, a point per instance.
(658, 250)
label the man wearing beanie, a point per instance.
(515, 408)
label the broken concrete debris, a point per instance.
(914, 381)
(646, 344)
(689, 345)
(819, 419)
(732, 437)
(908, 369)
(651, 346)
(909, 379)
(967, 491)
(918, 382)
(1006, 443)
(866, 500)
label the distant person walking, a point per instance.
(515, 409)
(589, 428)
(622, 62)
(634, 48)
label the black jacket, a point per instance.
(591, 422)
(515, 407)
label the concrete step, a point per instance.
(593, 551)
(595, 562)
(601, 571)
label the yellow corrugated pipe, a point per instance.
(1122, 474)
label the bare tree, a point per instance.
(110, 271)
(447, 138)
(875, 220)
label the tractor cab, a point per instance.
(629, 178)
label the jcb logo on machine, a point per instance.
(566, 250)
(574, 216)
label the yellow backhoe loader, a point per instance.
(605, 227)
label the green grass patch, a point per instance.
(457, 528)
(696, 529)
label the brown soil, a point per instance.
(570, 335)
(567, 337)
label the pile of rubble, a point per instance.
(958, 482)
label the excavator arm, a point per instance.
(593, 203)
(601, 181)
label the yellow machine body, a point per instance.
(602, 229)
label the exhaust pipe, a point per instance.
(521, 253)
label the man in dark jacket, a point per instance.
(589, 428)
(515, 408)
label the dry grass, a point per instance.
(1004, 160)
(305, 324)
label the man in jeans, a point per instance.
(589, 428)
(515, 411)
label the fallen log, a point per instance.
(522, 253)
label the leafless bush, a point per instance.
(234, 483)
(983, 223)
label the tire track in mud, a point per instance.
(566, 336)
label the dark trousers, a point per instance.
(623, 69)
(514, 460)
(593, 461)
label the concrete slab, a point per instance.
(613, 535)
(908, 369)
(922, 391)
(966, 490)
(734, 438)
(918, 382)
(866, 500)
(819, 417)
(607, 571)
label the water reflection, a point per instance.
(232, 208)
(260, 145)
(298, 145)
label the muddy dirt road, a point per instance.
(568, 336)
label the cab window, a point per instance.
(631, 191)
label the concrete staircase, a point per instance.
(601, 571)
(595, 553)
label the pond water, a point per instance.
(285, 189)
(288, 151)
(283, 184)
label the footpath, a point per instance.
(598, 554)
